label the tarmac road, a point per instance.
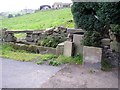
(16, 74)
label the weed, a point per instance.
(54, 63)
(75, 59)
(105, 65)
(39, 62)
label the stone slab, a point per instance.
(60, 49)
(105, 41)
(73, 30)
(77, 40)
(92, 56)
(68, 48)
(115, 46)
(18, 31)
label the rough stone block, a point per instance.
(115, 46)
(68, 48)
(92, 56)
(10, 37)
(73, 30)
(29, 37)
(60, 49)
(77, 39)
(105, 41)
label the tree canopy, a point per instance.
(95, 17)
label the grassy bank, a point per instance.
(40, 20)
(9, 52)
(21, 55)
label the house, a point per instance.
(58, 5)
(5, 14)
(27, 11)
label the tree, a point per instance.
(17, 15)
(10, 16)
(95, 18)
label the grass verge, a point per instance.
(9, 52)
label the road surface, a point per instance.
(16, 74)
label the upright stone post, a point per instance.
(60, 49)
(68, 48)
(77, 40)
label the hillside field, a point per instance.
(40, 20)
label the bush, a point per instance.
(115, 29)
(95, 16)
(10, 16)
(50, 41)
(92, 38)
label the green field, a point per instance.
(40, 20)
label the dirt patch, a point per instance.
(77, 76)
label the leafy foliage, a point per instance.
(10, 16)
(116, 29)
(54, 63)
(50, 41)
(95, 17)
(92, 38)
(106, 66)
(76, 59)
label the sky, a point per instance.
(17, 5)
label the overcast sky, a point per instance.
(16, 5)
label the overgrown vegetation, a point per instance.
(105, 65)
(40, 20)
(92, 38)
(76, 59)
(95, 17)
(9, 52)
(63, 60)
(50, 41)
(116, 30)
(54, 63)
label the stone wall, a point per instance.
(34, 48)
(111, 51)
